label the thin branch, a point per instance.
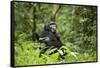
(53, 17)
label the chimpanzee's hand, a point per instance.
(44, 39)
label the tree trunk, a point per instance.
(34, 24)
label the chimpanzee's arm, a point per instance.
(43, 37)
(58, 38)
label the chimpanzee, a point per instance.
(50, 36)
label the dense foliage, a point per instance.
(76, 27)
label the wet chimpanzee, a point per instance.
(50, 37)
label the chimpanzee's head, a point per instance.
(51, 26)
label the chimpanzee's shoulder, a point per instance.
(43, 33)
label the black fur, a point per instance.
(54, 41)
(53, 36)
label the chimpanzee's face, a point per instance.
(53, 27)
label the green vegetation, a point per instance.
(76, 27)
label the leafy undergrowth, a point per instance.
(28, 54)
